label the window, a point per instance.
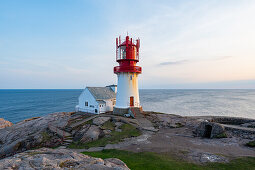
(122, 53)
(86, 104)
(91, 106)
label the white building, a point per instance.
(97, 99)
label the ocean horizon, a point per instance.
(19, 104)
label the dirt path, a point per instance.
(179, 141)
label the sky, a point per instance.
(70, 44)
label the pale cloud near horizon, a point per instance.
(182, 42)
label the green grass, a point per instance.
(154, 161)
(222, 135)
(179, 125)
(251, 144)
(115, 137)
(45, 136)
(108, 125)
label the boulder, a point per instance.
(46, 158)
(92, 134)
(210, 130)
(4, 123)
(79, 134)
(100, 120)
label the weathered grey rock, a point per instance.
(204, 157)
(79, 134)
(45, 158)
(249, 125)
(167, 120)
(118, 124)
(107, 132)
(4, 123)
(92, 133)
(100, 120)
(231, 120)
(29, 134)
(209, 129)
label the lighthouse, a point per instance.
(127, 55)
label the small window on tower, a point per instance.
(86, 103)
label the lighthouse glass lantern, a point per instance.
(127, 55)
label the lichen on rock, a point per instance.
(46, 158)
(4, 123)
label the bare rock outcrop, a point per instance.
(92, 134)
(4, 123)
(30, 133)
(46, 158)
(166, 120)
(100, 120)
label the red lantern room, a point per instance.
(127, 55)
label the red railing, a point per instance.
(132, 69)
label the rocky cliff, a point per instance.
(30, 134)
(46, 158)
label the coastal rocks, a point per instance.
(45, 158)
(30, 134)
(231, 120)
(79, 134)
(4, 123)
(201, 157)
(100, 120)
(249, 125)
(210, 130)
(166, 120)
(92, 134)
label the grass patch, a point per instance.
(251, 144)
(222, 135)
(108, 125)
(179, 125)
(45, 136)
(152, 161)
(115, 137)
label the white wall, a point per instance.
(87, 96)
(127, 87)
(109, 104)
(102, 109)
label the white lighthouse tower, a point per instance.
(127, 55)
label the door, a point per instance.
(131, 101)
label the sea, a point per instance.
(17, 105)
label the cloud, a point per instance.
(173, 62)
(196, 59)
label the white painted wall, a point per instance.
(102, 109)
(87, 96)
(127, 87)
(109, 104)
